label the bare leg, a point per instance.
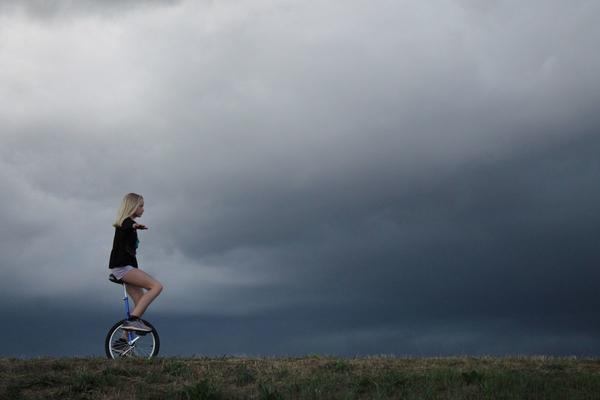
(141, 279)
(135, 292)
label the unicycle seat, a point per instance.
(114, 279)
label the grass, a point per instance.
(311, 377)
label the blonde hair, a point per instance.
(130, 203)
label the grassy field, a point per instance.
(310, 377)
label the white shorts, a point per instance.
(120, 272)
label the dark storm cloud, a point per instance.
(507, 237)
(409, 178)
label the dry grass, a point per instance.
(301, 378)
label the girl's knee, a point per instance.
(158, 287)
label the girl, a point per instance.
(123, 263)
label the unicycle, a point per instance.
(120, 343)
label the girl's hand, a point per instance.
(139, 226)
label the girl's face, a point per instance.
(140, 210)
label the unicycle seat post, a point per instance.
(126, 301)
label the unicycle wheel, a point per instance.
(118, 344)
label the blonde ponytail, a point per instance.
(130, 203)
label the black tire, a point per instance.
(147, 346)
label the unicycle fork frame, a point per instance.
(131, 338)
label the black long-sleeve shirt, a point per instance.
(124, 246)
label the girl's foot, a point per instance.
(136, 325)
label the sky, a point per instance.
(343, 178)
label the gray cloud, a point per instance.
(52, 9)
(423, 173)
